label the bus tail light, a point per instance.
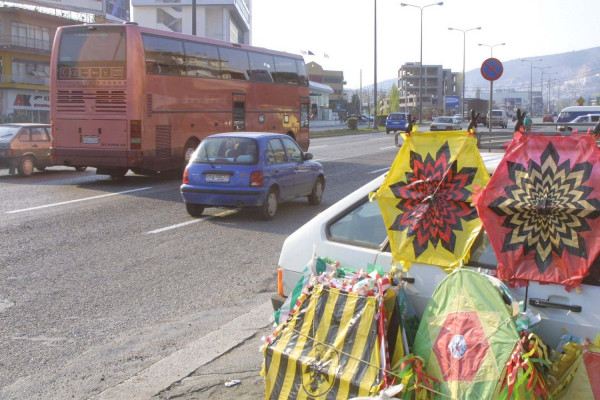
(135, 134)
(186, 176)
(256, 179)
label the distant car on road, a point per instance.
(250, 169)
(445, 124)
(25, 147)
(548, 118)
(458, 117)
(590, 119)
(395, 122)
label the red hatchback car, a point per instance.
(548, 118)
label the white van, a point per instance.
(353, 233)
(499, 118)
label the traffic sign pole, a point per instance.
(491, 69)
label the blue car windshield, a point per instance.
(227, 150)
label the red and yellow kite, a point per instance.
(541, 209)
(425, 199)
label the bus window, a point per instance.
(261, 67)
(202, 60)
(285, 71)
(234, 64)
(302, 74)
(101, 47)
(164, 55)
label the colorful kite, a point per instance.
(336, 344)
(466, 336)
(541, 209)
(425, 199)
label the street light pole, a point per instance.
(531, 84)
(375, 73)
(421, 52)
(464, 32)
(542, 85)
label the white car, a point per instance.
(445, 124)
(353, 233)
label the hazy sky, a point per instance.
(344, 31)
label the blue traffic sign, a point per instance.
(491, 69)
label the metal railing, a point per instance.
(26, 79)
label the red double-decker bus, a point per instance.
(127, 97)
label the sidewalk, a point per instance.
(323, 125)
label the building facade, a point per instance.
(228, 20)
(26, 38)
(437, 83)
(333, 79)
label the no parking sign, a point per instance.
(492, 69)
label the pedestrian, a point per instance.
(527, 122)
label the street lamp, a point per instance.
(531, 83)
(491, 46)
(464, 32)
(542, 86)
(421, 51)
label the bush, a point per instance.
(352, 123)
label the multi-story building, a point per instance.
(228, 20)
(437, 83)
(26, 38)
(333, 79)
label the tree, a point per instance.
(394, 99)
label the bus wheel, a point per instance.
(291, 134)
(80, 168)
(188, 150)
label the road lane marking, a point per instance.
(186, 223)
(379, 170)
(78, 200)
(316, 147)
(389, 147)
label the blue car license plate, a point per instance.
(220, 178)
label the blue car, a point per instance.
(395, 122)
(250, 170)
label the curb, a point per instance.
(161, 375)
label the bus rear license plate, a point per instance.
(90, 140)
(217, 178)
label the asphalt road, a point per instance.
(109, 287)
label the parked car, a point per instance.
(25, 147)
(548, 118)
(445, 124)
(395, 122)
(367, 117)
(352, 232)
(250, 169)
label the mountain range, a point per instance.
(571, 75)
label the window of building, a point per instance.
(25, 35)
(29, 71)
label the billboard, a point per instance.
(92, 6)
(112, 9)
(452, 101)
